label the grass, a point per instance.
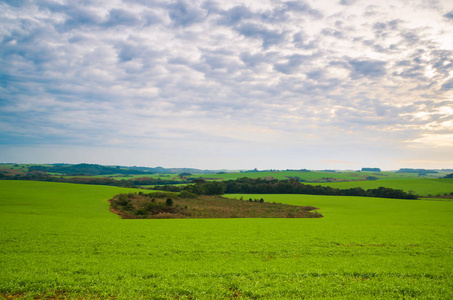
(318, 175)
(60, 240)
(422, 187)
(284, 175)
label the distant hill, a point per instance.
(418, 171)
(371, 170)
(84, 170)
(95, 169)
(161, 170)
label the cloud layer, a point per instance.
(227, 84)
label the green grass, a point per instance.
(61, 240)
(127, 177)
(15, 168)
(283, 175)
(422, 187)
(316, 175)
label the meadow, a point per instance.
(320, 175)
(309, 176)
(60, 240)
(420, 186)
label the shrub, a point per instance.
(141, 212)
(121, 200)
(162, 194)
(169, 202)
(187, 194)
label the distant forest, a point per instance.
(85, 170)
(94, 170)
(130, 183)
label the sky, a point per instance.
(327, 84)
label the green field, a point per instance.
(423, 187)
(286, 174)
(127, 177)
(319, 175)
(60, 240)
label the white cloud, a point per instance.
(434, 140)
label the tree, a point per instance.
(214, 188)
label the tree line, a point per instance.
(129, 183)
(274, 186)
(84, 170)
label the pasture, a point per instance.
(60, 240)
(420, 186)
(316, 175)
(320, 175)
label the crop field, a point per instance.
(308, 176)
(60, 240)
(286, 175)
(318, 175)
(423, 187)
(127, 177)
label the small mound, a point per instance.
(171, 206)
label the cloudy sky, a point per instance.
(338, 84)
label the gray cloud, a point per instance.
(183, 14)
(411, 38)
(333, 32)
(367, 68)
(449, 15)
(268, 37)
(301, 40)
(129, 51)
(447, 85)
(235, 15)
(80, 17)
(253, 60)
(292, 64)
(240, 13)
(415, 71)
(151, 18)
(302, 7)
(347, 2)
(382, 29)
(211, 7)
(442, 61)
(119, 17)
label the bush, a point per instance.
(141, 212)
(187, 194)
(121, 200)
(169, 202)
(160, 195)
